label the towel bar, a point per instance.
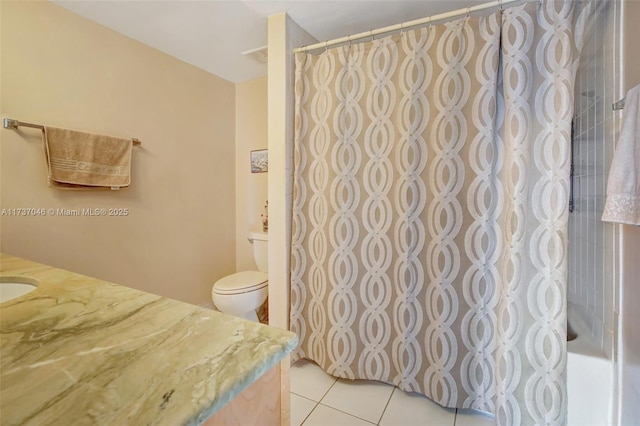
(9, 123)
(618, 105)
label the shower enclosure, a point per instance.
(429, 238)
(346, 292)
(592, 289)
(592, 293)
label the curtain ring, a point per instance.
(468, 12)
(326, 44)
(371, 34)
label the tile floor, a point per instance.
(318, 399)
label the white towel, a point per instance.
(623, 187)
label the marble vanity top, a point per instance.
(79, 350)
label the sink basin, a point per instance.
(12, 287)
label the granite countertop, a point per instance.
(79, 350)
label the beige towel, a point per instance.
(79, 160)
(623, 187)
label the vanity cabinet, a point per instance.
(78, 350)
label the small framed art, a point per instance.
(259, 161)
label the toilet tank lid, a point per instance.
(262, 236)
(241, 281)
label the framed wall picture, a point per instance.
(259, 161)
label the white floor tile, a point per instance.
(366, 403)
(300, 409)
(309, 380)
(409, 409)
(327, 416)
(361, 398)
(466, 417)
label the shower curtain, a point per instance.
(429, 223)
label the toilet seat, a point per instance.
(241, 282)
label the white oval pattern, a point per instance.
(429, 215)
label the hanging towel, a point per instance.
(623, 187)
(79, 160)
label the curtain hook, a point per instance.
(468, 12)
(326, 44)
(401, 28)
(501, 6)
(371, 34)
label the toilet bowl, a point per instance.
(242, 293)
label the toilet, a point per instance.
(242, 293)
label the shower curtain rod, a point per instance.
(396, 27)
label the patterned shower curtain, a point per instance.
(429, 240)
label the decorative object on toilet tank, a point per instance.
(264, 217)
(259, 161)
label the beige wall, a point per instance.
(630, 248)
(284, 35)
(63, 70)
(251, 188)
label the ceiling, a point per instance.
(212, 34)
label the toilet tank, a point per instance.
(260, 253)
